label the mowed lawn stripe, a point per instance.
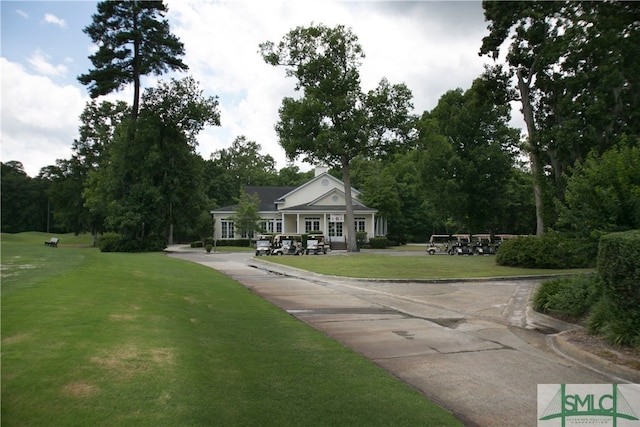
(143, 339)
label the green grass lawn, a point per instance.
(418, 266)
(92, 338)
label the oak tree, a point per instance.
(334, 120)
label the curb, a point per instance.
(542, 322)
(563, 347)
(560, 345)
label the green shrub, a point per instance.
(114, 242)
(109, 242)
(514, 252)
(542, 296)
(244, 243)
(618, 317)
(599, 315)
(605, 320)
(578, 252)
(576, 296)
(361, 238)
(572, 296)
(623, 331)
(619, 268)
(552, 250)
(197, 244)
(378, 242)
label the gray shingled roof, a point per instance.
(267, 195)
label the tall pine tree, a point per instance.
(133, 40)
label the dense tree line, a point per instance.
(457, 168)
(460, 175)
(25, 206)
(577, 76)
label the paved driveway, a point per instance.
(474, 347)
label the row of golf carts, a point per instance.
(290, 244)
(466, 244)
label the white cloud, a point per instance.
(430, 46)
(52, 19)
(222, 41)
(40, 63)
(40, 119)
(22, 13)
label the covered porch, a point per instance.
(330, 221)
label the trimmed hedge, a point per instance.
(619, 268)
(244, 243)
(115, 242)
(378, 242)
(619, 272)
(552, 250)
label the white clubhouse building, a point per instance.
(317, 205)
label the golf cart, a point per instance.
(263, 245)
(460, 245)
(287, 244)
(315, 244)
(438, 244)
(482, 244)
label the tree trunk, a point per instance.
(534, 151)
(165, 180)
(352, 245)
(136, 68)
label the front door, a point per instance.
(335, 231)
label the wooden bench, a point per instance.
(52, 242)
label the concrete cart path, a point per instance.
(473, 347)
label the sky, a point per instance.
(431, 46)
